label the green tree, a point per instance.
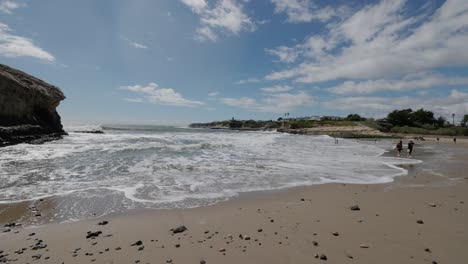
(464, 121)
(422, 117)
(400, 117)
(440, 122)
(354, 117)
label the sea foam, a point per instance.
(179, 167)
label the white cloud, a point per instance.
(371, 86)
(134, 44)
(7, 6)
(16, 46)
(272, 103)
(154, 94)
(213, 94)
(285, 54)
(299, 11)
(249, 80)
(223, 16)
(277, 89)
(381, 41)
(456, 102)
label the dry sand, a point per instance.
(289, 226)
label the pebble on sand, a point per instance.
(179, 229)
(420, 222)
(355, 208)
(103, 223)
(364, 246)
(138, 243)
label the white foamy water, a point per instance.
(161, 167)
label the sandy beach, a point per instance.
(419, 218)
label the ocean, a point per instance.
(132, 167)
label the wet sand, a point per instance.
(419, 218)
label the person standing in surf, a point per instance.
(410, 148)
(399, 147)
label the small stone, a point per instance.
(323, 257)
(207, 231)
(138, 243)
(364, 246)
(335, 233)
(103, 223)
(271, 220)
(93, 234)
(315, 243)
(141, 248)
(32, 234)
(246, 238)
(177, 245)
(259, 230)
(202, 262)
(316, 256)
(222, 250)
(355, 208)
(349, 256)
(302, 199)
(118, 248)
(427, 250)
(179, 229)
(432, 205)
(420, 222)
(169, 261)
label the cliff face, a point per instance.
(27, 108)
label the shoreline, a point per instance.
(384, 230)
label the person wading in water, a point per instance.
(399, 147)
(410, 148)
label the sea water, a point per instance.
(167, 167)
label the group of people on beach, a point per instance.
(399, 148)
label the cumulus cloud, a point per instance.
(420, 81)
(7, 6)
(222, 16)
(378, 106)
(154, 94)
(272, 103)
(299, 11)
(380, 41)
(277, 89)
(16, 46)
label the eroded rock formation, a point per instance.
(27, 108)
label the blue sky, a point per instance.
(181, 61)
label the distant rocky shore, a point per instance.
(343, 129)
(28, 109)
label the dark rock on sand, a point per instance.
(335, 233)
(323, 257)
(93, 234)
(355, 208)
(103, 223)
(420, 222)
(28, 108)
(179, 229)
(138, 243)
(202, 262)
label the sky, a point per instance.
(182, 61)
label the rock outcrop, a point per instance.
(28, 108)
